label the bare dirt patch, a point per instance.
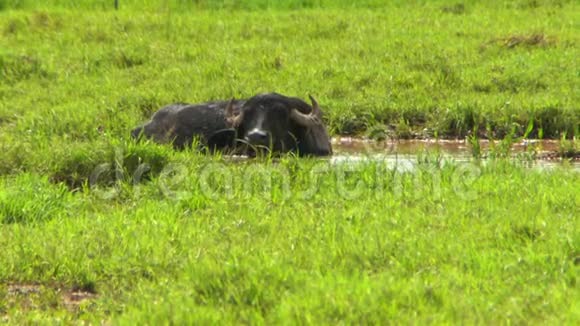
(528, 40)
(533, 40)
(33, 296)
(23, 289)
(457, 9)
(72, 299)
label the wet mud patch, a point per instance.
(413, 146)
(543, 152)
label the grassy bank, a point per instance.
(95, 227)
(295, 241)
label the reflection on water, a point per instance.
(404, 155)
(402, 163)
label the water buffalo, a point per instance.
(267, 121)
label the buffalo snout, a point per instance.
(258, 137)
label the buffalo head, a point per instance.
(280, 124)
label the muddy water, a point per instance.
(405, 154)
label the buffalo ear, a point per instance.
(224, 138)
(231, 119)
(230, 108)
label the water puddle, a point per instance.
(404, 155)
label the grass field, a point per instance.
(94, 227)
(296, 241)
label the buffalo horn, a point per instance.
(307, 120)
(315, 108)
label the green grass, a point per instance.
(411, 71)
(445, 243)
(149, 235)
